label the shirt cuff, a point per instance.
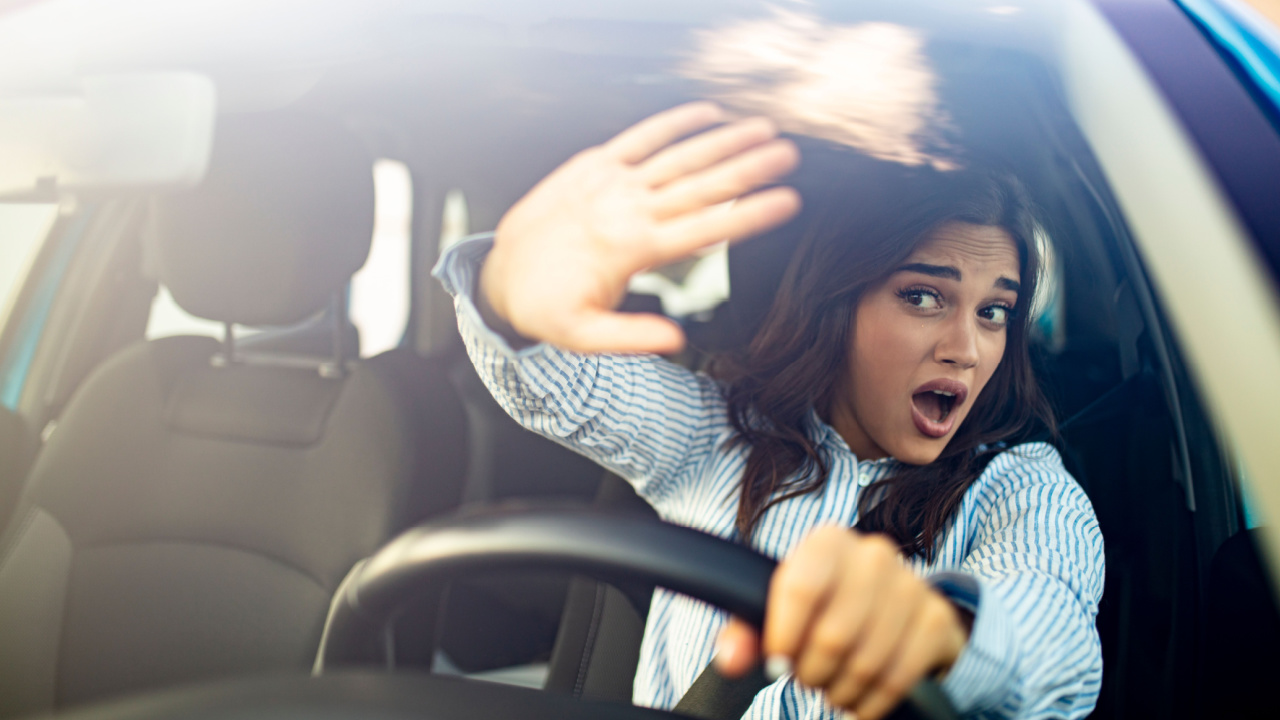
(983, 674)
(458, 269)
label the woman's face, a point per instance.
(926, 341)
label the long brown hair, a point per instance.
(796, 361)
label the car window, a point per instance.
(1047, 308)
(455, 222)
(168, 318)
(692, 288)
(23, 229)
(1253, 517)
(380, 290)
(23, 226)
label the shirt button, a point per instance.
(864, 478)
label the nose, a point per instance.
(958, 344)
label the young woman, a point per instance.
(886, 390)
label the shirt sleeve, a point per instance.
(1033, 579)
(646, 419)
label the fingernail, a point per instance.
(775, 666)
(850, 715)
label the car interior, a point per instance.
(184, 508)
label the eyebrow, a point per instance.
(950, 273)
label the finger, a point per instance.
(800, 588)
(885, 631)
(707, 149)
(834, 635)
(737, 649)
(917, 655)
(751, 215)
(613, 332)
(656, 132)
(726, 180)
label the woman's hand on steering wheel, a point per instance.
(564, 254)
(846, 615)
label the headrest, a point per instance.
(282, 220)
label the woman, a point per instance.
(889, 374)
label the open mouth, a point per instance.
(934, 404)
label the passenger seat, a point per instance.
(199, 502)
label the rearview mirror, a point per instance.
(121, 131)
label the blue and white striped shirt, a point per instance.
(1024, 552)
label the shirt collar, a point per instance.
(827, 437)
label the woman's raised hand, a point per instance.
(564, 254)
(846, 615)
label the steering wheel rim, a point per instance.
(610, 547)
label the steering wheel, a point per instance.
(612, 548)
(609, 547)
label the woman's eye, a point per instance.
(997, 314)
(925, 299)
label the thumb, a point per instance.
(737, 649)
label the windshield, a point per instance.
(262, 329)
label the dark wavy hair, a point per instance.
(797, 359)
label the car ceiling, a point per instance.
(495, 66)
(259, 41)
(488, 96)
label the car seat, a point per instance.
(597, 646)
(199, 502)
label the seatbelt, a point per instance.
(716, 697)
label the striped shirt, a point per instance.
(1024, 552)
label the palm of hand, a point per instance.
(564, 254)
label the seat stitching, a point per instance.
(588, 647)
